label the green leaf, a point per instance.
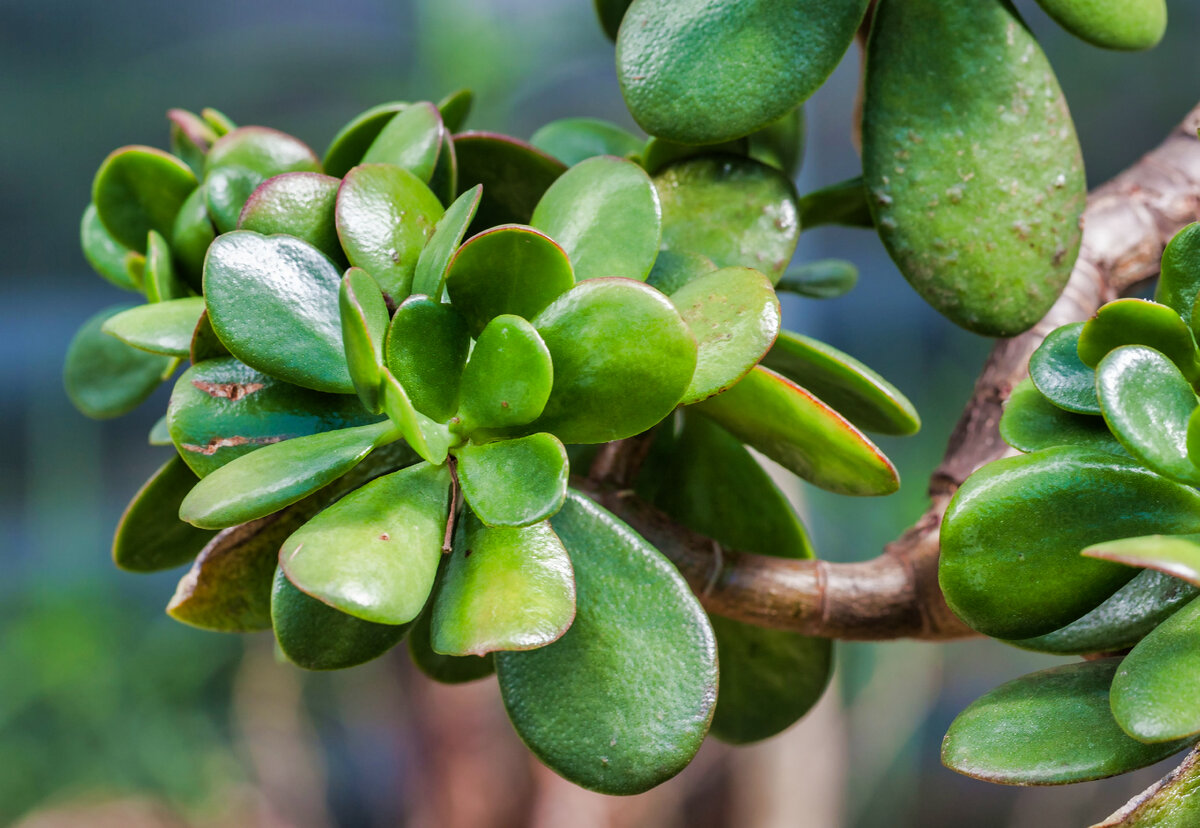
(978, 204)
(1052, 727)
(1176, 555)
(508, 269)
(244, 158)
(139, 189)
(514, 176)
(822, 279)
(274, 476)
(703, 71)
(385, 215)
(159, 435)
(572, 140)
(1112, 24)
(150, 535)
(273, 301)
(191, 138)
(455, 108)
(191, 235)
(348, 147)
(1169, 803)
(162, 328)
(220, 123)
(1121, 621)
(160, 282)
(426, 349)
(374, 553)
(444, 182)
(734, 315)
(1140, 322)
(605, 214)
(623, 358)
(135, 268)
(794, 428)
(659, 152)
(205, 344)
(508, 378)
(1030, 422)
(844, 203)
(443, 668)
(622, 701)
(673, 270)
(1010, 564)
(433, 263)
(610, 13)
(104, 253)
(411, 140)
(1154, 691)
(300, 204)
(1179, 280)
(514, 482)
(315, 636)
(429, 439)
(103, 376)
(504, 589)
(733, 210)
(1147, 404)
(780, 144)
(365, 321)
(1060, 375)
(857, 393)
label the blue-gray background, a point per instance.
(105, 704)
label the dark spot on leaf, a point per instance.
(467, 554)
(233, 391)
(385, 536)
(504, 403)
(217, 443)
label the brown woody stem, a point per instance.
(1126, 225)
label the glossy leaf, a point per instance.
(1052, 727)
(444, 181)
(514, 176)
(150, 535)
(780, 144)
(855, 391)
(1154, 691)
(426, 349)
(385, 215)
(978, 204)
(315, 636)
(1179, 280)
(191, 138)
(139, 189)
(1030, 422)
(244, 158)
(1139, 322)
(429, 439)
(702, 71)
(163, 328)
(673, 270)
(1147, 404)
(190, 237)
(1112, 24)
(205, 343)
(300, 204)
(844, 203)
(159, 435)
(572, 140)
(659, 152)
(1010, 564)
(411, 140)
(733, 210)
(455, 108)
(734, 315)
(278, 475)
(443, 668)
(1169, 803)
(508, 378)
(794, 428)
(511, 269)
(159, 281)
(635, 617)
(273, 301)
(104, 253)
(103, 376)
(374, 553)
(1176, 555)
(220, 123)
(364, 316)
(514, 482)
(1060, 375)
(822, 279)
(434, 260)
(623, 358)
(504, 589)
(348, 147)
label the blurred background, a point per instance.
(112, 714)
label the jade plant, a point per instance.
(393, 354)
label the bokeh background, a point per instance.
(112, 714)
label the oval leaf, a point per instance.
(244, 158)
(1154, 691)
(427, 346)
(1112, 24)
(104, 253)
(103, 376)
(1060, 375)
(1179, 280)
(411, 140)
(1177, 555)
(190, 237)
(1171, 802)
(139, 189)
(150, 535)
(348, 147)
(1030, 422)
(365, 321)
(514, 176)
(1139, 322)
(508, 378)
(429, 439)
(572, 140)
(161, 328)
(822, 279)
(300, 204)
(434, 261)
(514, 482)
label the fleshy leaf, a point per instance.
(1171, 802)
(411, 140)
(780, 144)
(139, 189)
(273, 301)
(365, 321)
(508, 378)
(427, 346)
(1112, 24)
(733, 210)
(514, 482)
(443, 668)
(572, 140)
(514, 176)
(822, 279)
(104, 253)
(150, 535)
(623, 358)
(796, 429)
(844, 203)
(274, 476)
(220, 123)
(385, 215)
(509, 269)
(635, 677)
(428, 438)
(1154, 691)
(191, 138)
(348, 147)
(300, 204)
(162, 328)
(1139, 322)
(659, 152)
(1031, 422)
(1179, 281)
(702, 71)
(159, 281)
(610, 14)
(205, 343)
(1060, 375)
(605, 214)
(1052, 727)
(434, 260)
(375, 552)
(190, 237)
(504, 589)
(244, 158)
(1176, 555)
(455, 108)
(1010, 564)
(673, 270)
(103, 376)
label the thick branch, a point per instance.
(1127, 224)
